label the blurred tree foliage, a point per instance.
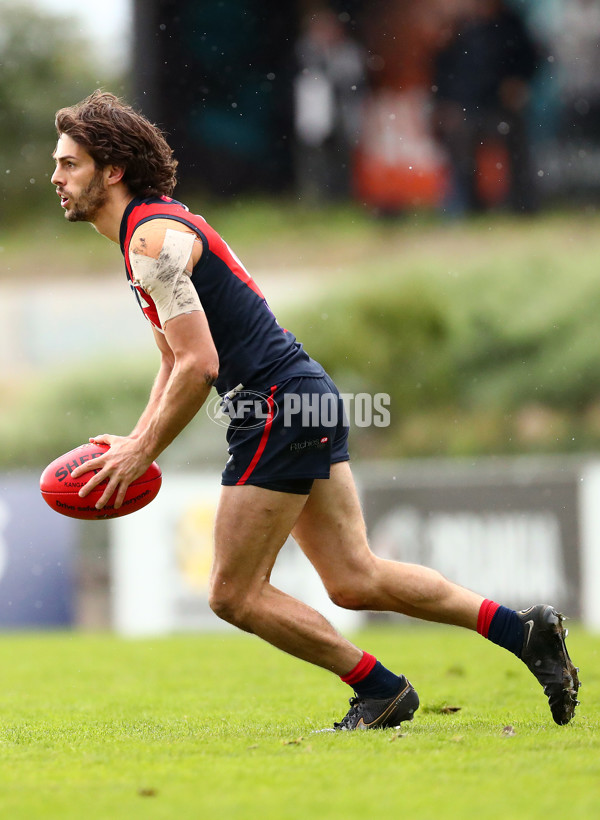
(61, 408)
(44, 65)
(496, 361)
(390, 338)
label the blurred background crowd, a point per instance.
(462, 105)
(456, 105)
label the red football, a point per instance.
(60, 491)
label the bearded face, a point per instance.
(85, 205)
(81, 186)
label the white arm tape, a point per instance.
(166, 279)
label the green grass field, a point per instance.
(222, 726)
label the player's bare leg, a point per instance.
(331, 531)
(252, 524)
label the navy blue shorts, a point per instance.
(287, 436)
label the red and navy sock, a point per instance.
(501, 626)
(370, 679)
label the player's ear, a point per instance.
(114, 174)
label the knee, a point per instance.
(227, 603)
(348, 598)
(356, 590)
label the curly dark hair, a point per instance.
(113, 133)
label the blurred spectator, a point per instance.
(328, 94)
(399, 165)
(578, 52)
(482, 87)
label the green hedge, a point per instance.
(58, 410)
(391, 339)
(494, 360)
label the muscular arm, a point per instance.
(160, 382)
(189, 366)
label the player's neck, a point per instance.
(108, 220)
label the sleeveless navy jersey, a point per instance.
(254, 350)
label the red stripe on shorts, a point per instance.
(263, 439)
